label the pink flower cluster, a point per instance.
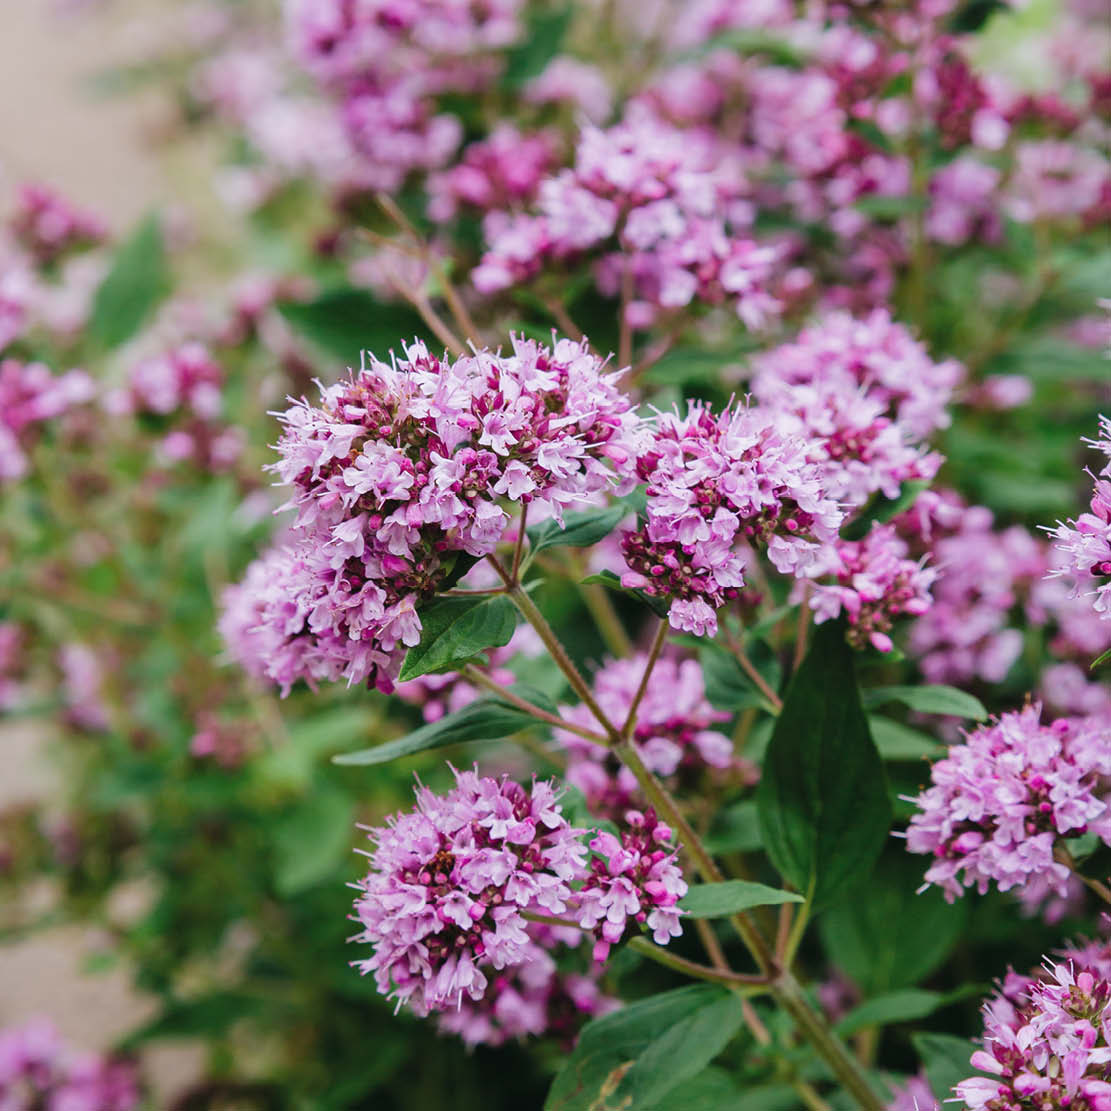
(182, 388)
(716, 483)
(31, 396)
(403, 469)
(675, 732)
(845, 353)
(634, 878)
(450, 882)
(47, 225)
(671, 203)
(984, 578)
(1047, 1040)
(38, 1071)
(1005, 799)
(387, 61)
(875, 583)
(501, 171)
(1085, 543)
(531, 999)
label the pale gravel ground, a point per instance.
(52, 130)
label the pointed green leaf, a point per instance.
(136, 282)
(897, 1006)
(312, 840)
(455, 629)
(580, 530)
(735, 830)
(899, 742)
(932, 698)
(823, 800)
(616, 1041)
(945, 1059)
(484, 720)
(885, 935)
(719, 900)
(679, 1054)
(345, 321)
(659, 606)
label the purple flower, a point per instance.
(1046, 1039)
(718, 487)
(1085, 544)
(1002, 801)
(534, 998)
(47, 225)
(449, 883)
(633, 879)
(874, 584)
(37, 1070)
(403, 467)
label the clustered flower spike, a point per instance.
(47, 225)
(181, 390)
(874, 352)
(875, 583)
(634, 878)
(1047, 1039)
(37, 1070)
(1085, 544)
(31, 396)
(406, 467)
(715, 485)
(675, 734)
(672, 201)
(1002, 801)
(532, 999)
(449, 884)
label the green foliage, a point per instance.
(580, 530)
(928, 699)
(634, 1054)
(484, 720)
(344, 322)
(720, 900)
(454, 630)
(132, 288)
(823, 802)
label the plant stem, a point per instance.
(801, 629)
(477, 675)
(691, 968)
(658, 642)
(597, 600)
(1063, 856)
(789, 995)
(555, 648)
(749, 668)
(551, 920)
(519, 546)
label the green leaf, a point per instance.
(720, 900)
(929, 699)
(881, 509)
(753, 40)
(678, 1055)
(711, 1090)
(312, 840)
(484, 720)
(895, 741)
(1099, 660)
(580, 530)
(203, 1017)
(659, 606)
(542, 41)
(616, 1041)
(345, 322)
(884, 935)
(897, 1006)
(823, 799)
(291, 765)
(881, 206)
(735, 830)
(727, 686)
(945, 1059)
(132, 288)
(455, 629)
